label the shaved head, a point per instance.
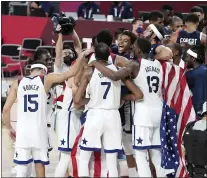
(175, 19)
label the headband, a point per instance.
(39, 66)
(191, 53)
(155, 30)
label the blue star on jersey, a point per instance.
(84, 141)
(139, 141)
(62, 142)
(16, 154)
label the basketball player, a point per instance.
(190, 35)
(146, 129)
(102, 110)
(196, 77)
(106, 37)
(177, 53)
(68, 127)
(31, 133)
(155, 34)
(125, 48)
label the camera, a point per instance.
(67, 23)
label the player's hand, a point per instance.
(87, 52)
(12, 134)
(58, 28)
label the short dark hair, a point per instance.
(38, 54)
(38, 62)
(72, 49)
(105, 36)
(102, 51)
(167, 7)
(178, 47)
(118, 32)
(197, 9)
(131, 35)
(94, 41)
(154, 15)
(178, 14)
(161, 30)
(144, 45)
(192, 18)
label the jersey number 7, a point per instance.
(108, 84)
(32, 100)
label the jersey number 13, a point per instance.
(153, 83)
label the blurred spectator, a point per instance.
(200, 13)
(38, 8)
(5, 7)
(121, 10)
(168, 12)
(137, 27)
(87, 9)
(156, 17)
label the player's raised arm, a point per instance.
(79, 99)
(136, 92)
(7, 107)
(59, 78)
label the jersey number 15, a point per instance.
(32, 101)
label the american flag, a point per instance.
(177, 112)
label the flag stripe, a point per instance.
(74, 154)
(170, 79)
(97, 169)
(178, 100)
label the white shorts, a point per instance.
(146, 137)
(68, 128)
(102, 125)
(28, 155)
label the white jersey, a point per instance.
(31, 128)
(103, 92)
(50, 105)
(149, 80)
(68, 103)
(59, 89)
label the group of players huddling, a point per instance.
(118, 99)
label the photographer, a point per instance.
(195, 146)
